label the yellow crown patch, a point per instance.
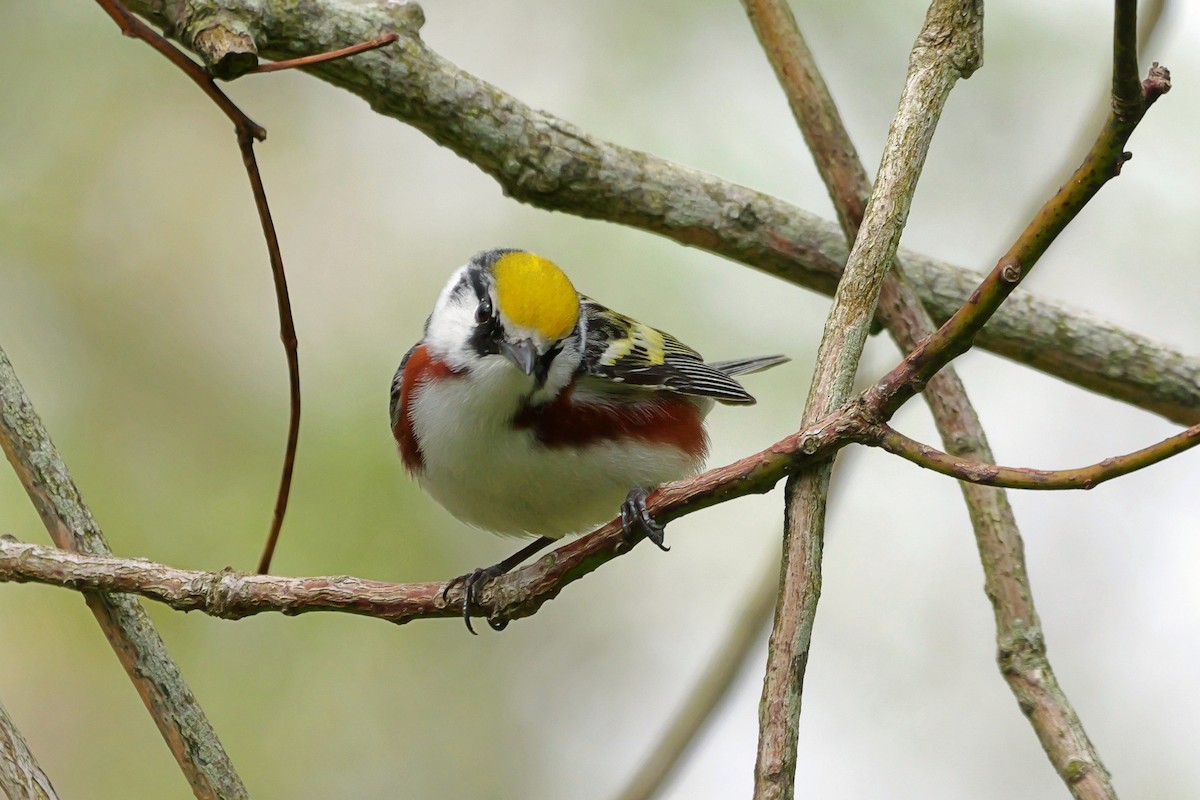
(534, 293)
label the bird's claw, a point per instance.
(635, 519)
(472, 585)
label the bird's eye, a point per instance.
(483, 312)
(496, 334)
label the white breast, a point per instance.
(494, 476)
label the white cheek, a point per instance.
(449, 333)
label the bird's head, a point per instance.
(510, 310)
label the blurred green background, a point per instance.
(136, 305)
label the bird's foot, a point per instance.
(472, 588)
(636, 519)
(473, 582)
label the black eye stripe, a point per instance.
(487, 334)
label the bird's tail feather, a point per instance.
(744, 366)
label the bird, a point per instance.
(529, 409)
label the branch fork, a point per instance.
(842, 420)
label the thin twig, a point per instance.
(543, 160)
(320, 58)
(1150, 14)
(287, 334)
(138, 646)
(1127, 95)
(21, 778)
(133, 27)
(248, 132)
(1026, 478)
(287, 328)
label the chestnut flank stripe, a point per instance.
(667, 419)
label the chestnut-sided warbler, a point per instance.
(530, 409)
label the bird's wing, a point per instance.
(626, 352)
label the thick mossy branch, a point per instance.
(545, 161)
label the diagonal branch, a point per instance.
(948, 47)
(1030, 677)
(232, 595)
(138, 646)
(545, 161)
(1101, 164)
(729, 662)
(21, 778)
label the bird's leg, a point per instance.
(473, 582)
(635, 515)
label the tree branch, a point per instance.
(517, 594)
(1021, 646)
(948, 47)
(1101, 164)
(522, 592)
(226, 595)
(20, 776)
(139, 648)
(542, 160)
(1026, 478)
(233, 595)
(958, 424)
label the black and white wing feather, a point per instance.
(625, 351)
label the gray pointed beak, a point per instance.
(522, 353)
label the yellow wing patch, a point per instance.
(641, 344)
(534, 293)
